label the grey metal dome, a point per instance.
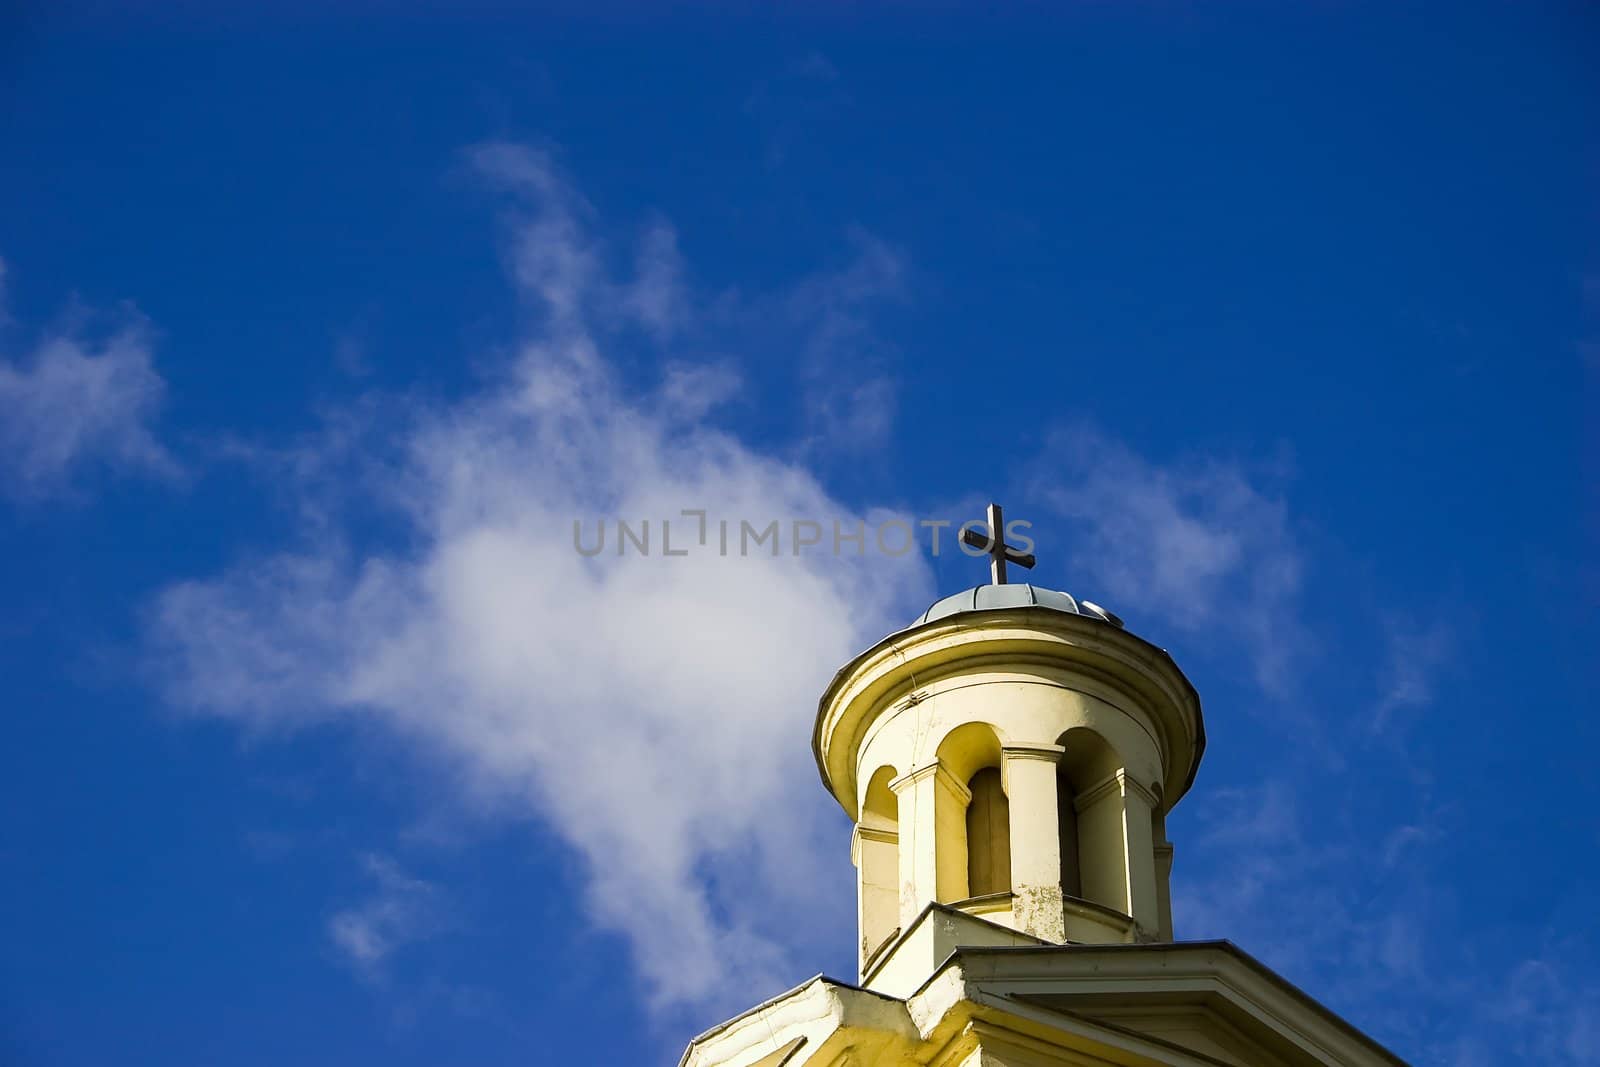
(988, 597)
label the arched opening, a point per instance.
(977, 861)
(878, 862)
(881, 808)
(988, 835)
(1067, 829)
(1089, 821)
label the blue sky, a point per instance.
(319, 327)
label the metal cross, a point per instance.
(995, 545)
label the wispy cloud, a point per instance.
(1197, 543)
(1358, 916)
(1549, 1012)
(1258, 876)
(1415, 654)
(651, 710)
(848, 387)
(658, 296)
(72, 404)
(804, 93)
(400, 909)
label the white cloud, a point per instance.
(400, 910)
(654, 711)
(1195, 544)
(72, 404)
(689, 392)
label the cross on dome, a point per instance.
(994, 544)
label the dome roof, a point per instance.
(989, 597)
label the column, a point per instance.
(875, 852)
(1031, 789)
(1138, 806)
(1117, 849)
(933, 839)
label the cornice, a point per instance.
(871, 682)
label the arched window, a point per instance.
(988, 835)
(974, 854)
(1093, 852)
(878, 860)
(1067, 828)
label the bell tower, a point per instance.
(1012, 755)
(1008, 762)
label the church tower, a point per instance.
(1011, 756)
(1008, 761)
